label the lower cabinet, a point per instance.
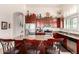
(72, 46)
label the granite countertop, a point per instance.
(75, 36)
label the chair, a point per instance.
(8, 46)
(30, 46)
(49, 46)
(57, 45)
(42, 47)
(54, 46)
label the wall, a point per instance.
(6, 14)
(69, 9)
(42, 9)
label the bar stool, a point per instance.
(8, 47)
(57, 45)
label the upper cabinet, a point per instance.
(30, 18)
(41, 22)
(44, 21)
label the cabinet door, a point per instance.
(58, 23)
(27, 19)
(72, 46)
(30, 18)
(53, 23)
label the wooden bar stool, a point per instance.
(8, 46)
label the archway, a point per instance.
(18, 25)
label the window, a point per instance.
(74, 23)
(71, 22)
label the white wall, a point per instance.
(69, 9)
(66, 9)
(42, 9)
(6, 14)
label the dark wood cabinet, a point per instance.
(40, 22)
(60, 22)
(46, 21)
(30, 18)
(19, 44)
